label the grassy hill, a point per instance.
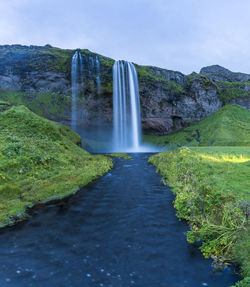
(40, 160)
(229, 126)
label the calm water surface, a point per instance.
(120, 230)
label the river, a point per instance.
(121, 230)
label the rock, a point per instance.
(159, 126)
(10, 81)
(169, 99)
(244, 102)
(50, 81)
(218, 73)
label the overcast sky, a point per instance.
(182, 35)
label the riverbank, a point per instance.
(211, 185)
(40, 161)
(120, 230)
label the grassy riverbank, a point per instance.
(120, 155)
(229, 126)
(40, 161)
(211, 185)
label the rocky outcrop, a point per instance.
(168, 105)
(40, 77)
(218, 73)
(244, 102)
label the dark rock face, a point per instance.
(244, 102)
(41, 77)
(218, 73)
(166, 108)
(9, 81)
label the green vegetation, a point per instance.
(28, 60)
(4, 106)
(228, 126)
(40, 161)
(233, 90)
(48, 105)
(211, 185)
(120, 155)
(206, 82)
(36, 58)
(243, 283)
(58, 59)
(144, 72)
(175, 89)
(149, 78)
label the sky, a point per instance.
(181, 35)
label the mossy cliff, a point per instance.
(40, 78)
(40, 161)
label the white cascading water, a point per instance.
(81, 66)
(98, 83)
(76, 76)
(126, 108)
(91, 67)
(74, 87)
(98, 78)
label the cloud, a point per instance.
(180, 35)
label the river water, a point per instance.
(119, 231)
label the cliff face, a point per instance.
(175, 100)
(40, 78)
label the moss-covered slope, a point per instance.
(228, 126)
(39, 161)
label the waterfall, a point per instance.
(126, 107)
(91, 67)
(98, 78)
(81, 66)
(98, 84)
(76, 80)
(74, 90)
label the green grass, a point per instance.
(120, 155)
(39, 161)
(211, 185)
(229, 126)
(175, 89)
(243, 283)
(146, 74)
(47, 104)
